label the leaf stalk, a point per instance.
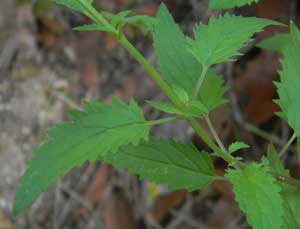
(200, 81)
(287, 145)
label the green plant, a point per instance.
(118, 134)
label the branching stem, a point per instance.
(219, 149)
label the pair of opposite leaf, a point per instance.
(117, 133)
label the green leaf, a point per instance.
(95, 27)
(291, 205)
(276, 43)
(182, 95)
(166, 162)
(73, 4)
(177, 64)
(273, 161)
(192, 109)
(258, 196)
(237, 146)
(98, 130)
(143, 22)
(223, 37)
(288, 88)
(227, 4)
(119, 18)
(212, 91)
(293, 115)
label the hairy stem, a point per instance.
(200, 81)
(287, 145)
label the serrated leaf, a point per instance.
(98, 130)
(273, 161)
(291, 204)
(180, 166)
(237, 146)
(165, 107)
(258, 196)
(288, 88)
(212, 91)
(227, 4)
(95, 27)
(293, 115)
(275, 43)
(182, 95)
(223, 37)
(73, 4)
(178, 66)
(192, 109)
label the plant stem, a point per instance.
(94, 14)
(149, 68)
(287, 145)
(165, 87)
(215, 134)
(163, 120)
(225, 156)
(200, 81)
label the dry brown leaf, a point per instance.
(166, 202)
(117, 212)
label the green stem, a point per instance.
(165, 87)
(200, 81)
(215, 134)
(93, 14)
(201, 133)
(149, 68)
(225, 156)
(163, 120)
(287, 145)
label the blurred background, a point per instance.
(46, 68)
